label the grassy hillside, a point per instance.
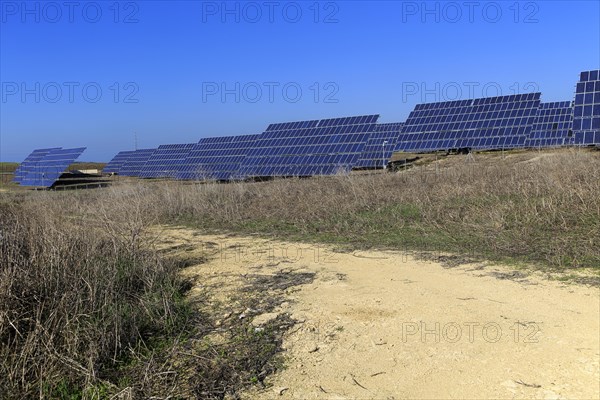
(536, 208)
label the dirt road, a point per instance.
(384, 325)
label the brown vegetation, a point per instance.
(542, 209)
(87, 306)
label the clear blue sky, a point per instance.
(161, 67)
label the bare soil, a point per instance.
(389, 325)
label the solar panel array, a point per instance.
(49, 168)
(324, 147)
(306, 148)
(302, 148)
(379, 146)
(586, 114)
(217, 158)
(484, 123)
(117, 162)
(135, 162)
(166, 161)
(30, 162)
(553, 125)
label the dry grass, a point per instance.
(538, 208)
(544, 211)
(74, 300)
(88, 309)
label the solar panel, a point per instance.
(292, 125)
(30, 161)
(117, 162)
(379, 146)
(48, 169)
(217, 158)
(553, 125)
(135, 162)
(586, 110)
(485, 123)
(166, 161)
(307, 148)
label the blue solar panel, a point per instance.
(307, 148)
(586, 76)
(217, 158)
(47, 170)
(166, 161)
(553, 125)
(485, 123)
(586, 110)
(292, 125)
(379, 146)
(135, 162)
(117, 162)
(30, 162)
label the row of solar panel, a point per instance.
(469, 117)
(548, 127)
(586, 114)
(550, 116)
(470, 114)
(314, 140)
(317, 145)
(549, 142)
(586, 124)
(511, 99)
(554, 124)
(427, 126)
(503, 142)
(508, 109)
(589, 76)
(326, 146)
(304, 132)
(457, 134)
(587, 137)
(43, 167)
(31, 160)
(554, 105)
(506, 142)
(587, 87)
(474, 113)
(554, 121)
(588, 98)
(587, 110)
(558, 132)
(300, 160)
(303, 150)
(379, 146)
(364, 119)
(494, 142)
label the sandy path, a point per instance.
(382, 325)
